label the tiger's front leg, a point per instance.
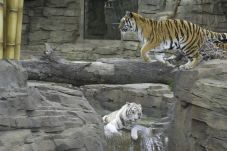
(110, 129)
(145, 50)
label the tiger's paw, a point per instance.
(146, 59)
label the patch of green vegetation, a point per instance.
(171, 84)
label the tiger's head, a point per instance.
(132, 112)
(128, 23)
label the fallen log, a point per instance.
(109, 71)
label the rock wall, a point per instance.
(52, 21)
(200, 121)
(57, 22)
(45, 116)
(207, 13)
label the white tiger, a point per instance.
(122, 118)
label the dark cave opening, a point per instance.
(101, 17)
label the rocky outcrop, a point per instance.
(91, 50)
(96, 49)
(154, 98)
(12, 75)
(45, 117)
(200, 121)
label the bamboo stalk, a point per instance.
(1, 28)
(19, 30)
(12, 11)
(4, 28)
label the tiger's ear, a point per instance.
(129, 14)
(128, 103)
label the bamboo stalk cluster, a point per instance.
(11, 15)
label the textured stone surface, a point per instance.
(200, 114)
(207, 13)
(12, 75)
(45, 116)
(49, 21)
(112, 97)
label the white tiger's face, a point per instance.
(127, 23)
(133, 112)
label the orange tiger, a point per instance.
(161, 35)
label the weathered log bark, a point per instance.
(109, 71)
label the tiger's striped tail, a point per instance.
(220, 36)
(215, 45)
